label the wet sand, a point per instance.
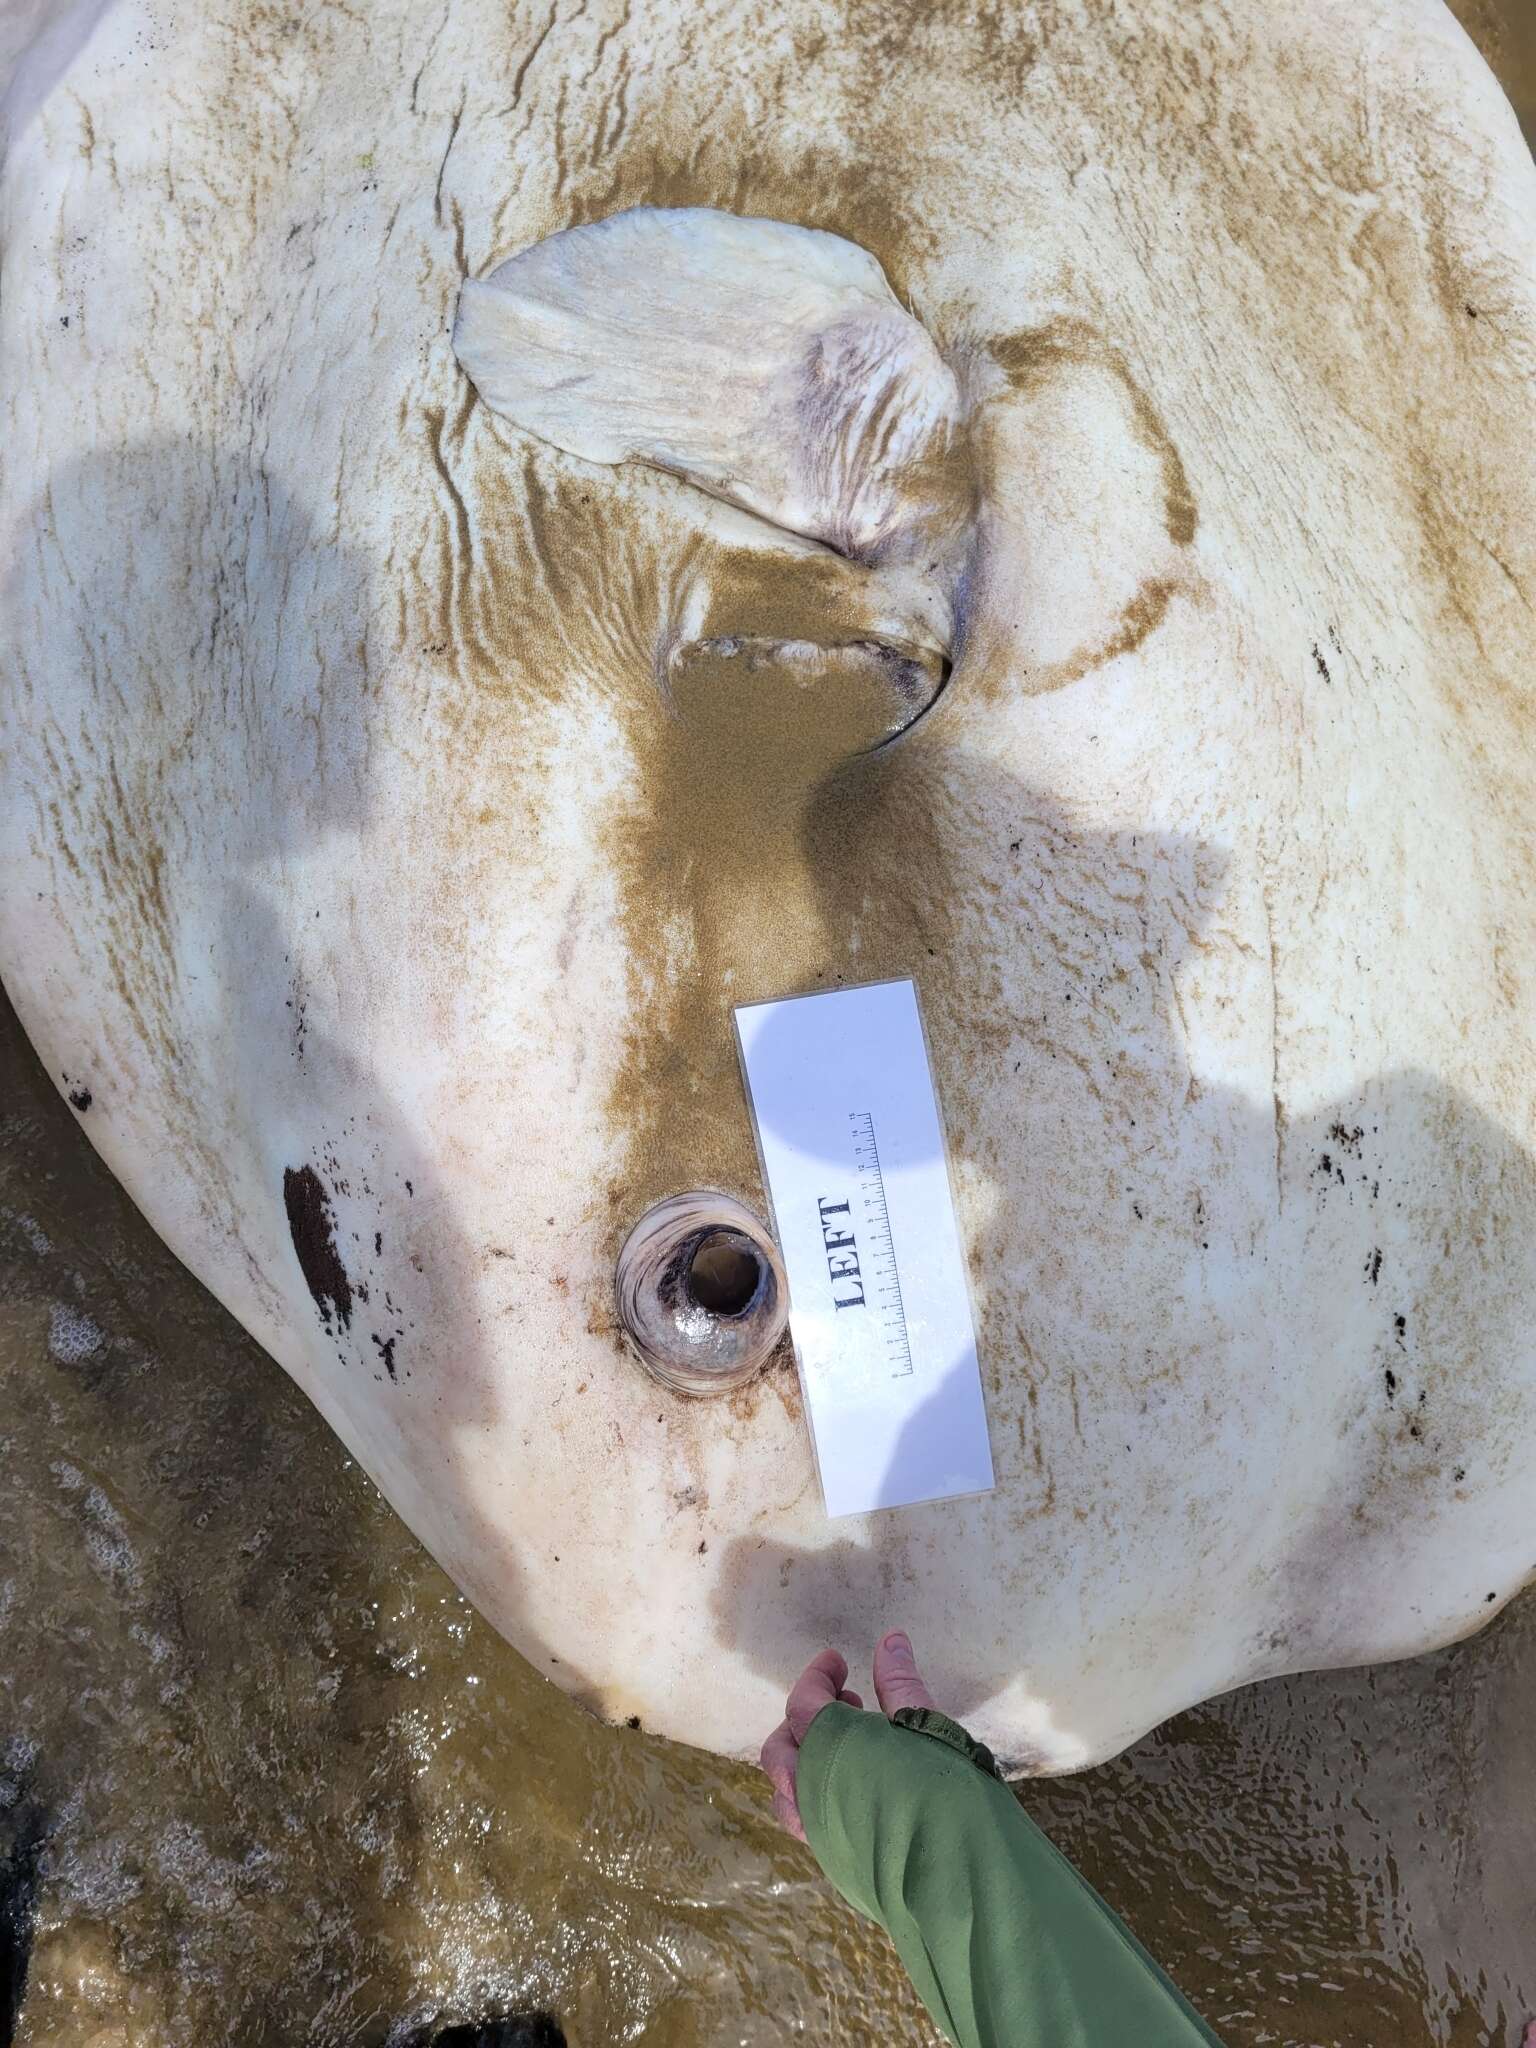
(265, 1777)
(1505, 32)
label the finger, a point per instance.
(1528, 2038)
(778, 1760)
(780, 1754)
(897, 1683)
(815, 1688)
(787, 1814)
(851, 1699)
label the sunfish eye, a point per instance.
(701, 1293)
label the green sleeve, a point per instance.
(1006, 1945)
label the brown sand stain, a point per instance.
(725, 884)
(1068, 348)
(1034, 355)
(1139, 618)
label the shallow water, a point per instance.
(266, 1778)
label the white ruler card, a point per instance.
(853, 1151)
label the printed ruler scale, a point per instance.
(866, 1154)
(880, 1312)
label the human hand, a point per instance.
(897, 1684)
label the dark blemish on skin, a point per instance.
(1373, 1266)
(409, 1189)
(1493, 1596)
(702, 1548)
(1400, 1329)
(312, 1227)
(1391, 1379)
(1322, 666)
(386, 1349)
(1459, 1474)
(1348, 1140)
(80, 1098)
(378, 1243)
(1471, 315)
(634, 1719)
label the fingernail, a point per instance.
(898, 1642)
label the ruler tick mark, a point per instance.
(866, 1153)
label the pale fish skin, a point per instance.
(351, 848)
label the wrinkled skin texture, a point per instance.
(347, 836)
